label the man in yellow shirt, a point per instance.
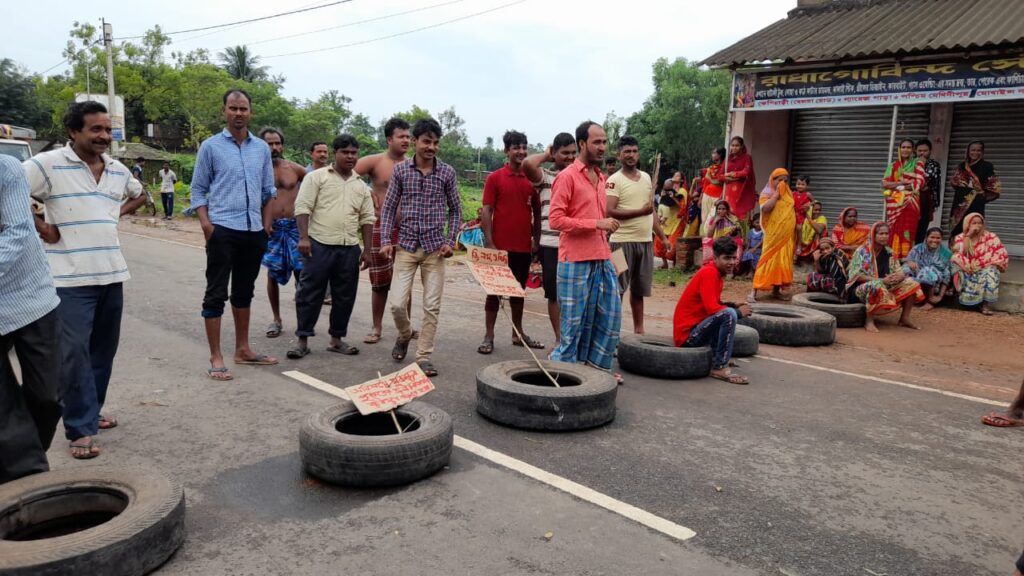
(630, 199)
(333, 210)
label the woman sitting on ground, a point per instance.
(830, 266)
(877, 279)
(978, 258)
(722, 223)
(814, 228)
(755, 236)
(933, 267)
(850, 233)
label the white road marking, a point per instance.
(887, 381)
(564, 484)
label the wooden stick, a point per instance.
(394, 417)
(527, 346)
(655, 183)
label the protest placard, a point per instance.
(490, 268)
(390, 391)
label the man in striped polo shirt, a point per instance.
(84, 192)
(560, 154)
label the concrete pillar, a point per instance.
(940, 126)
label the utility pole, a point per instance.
(108, 41)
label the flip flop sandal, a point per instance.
(529, 342)
(343, 348)
(371, 338)
(107, 423)
(273, 330)
(1001, 421)
(87, 446)
(731, 378)
(618, 378)
(219, 374)
(400, 350)
(296, 353)
(427, 367)
(259, 360)
(486, 347)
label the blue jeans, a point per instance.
(717, 331)
(90, 330)
(167, 199)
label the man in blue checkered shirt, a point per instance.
(426, 191)
(232, 184)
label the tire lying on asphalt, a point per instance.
(846, 315)
(106, 520)
(746, 342)
(341, 446)
(518, 394)
(659, 357)
(791, 325)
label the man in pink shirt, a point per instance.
(588, 289)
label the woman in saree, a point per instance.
(901, 187)
(778, 220)
(830, 270)
(933, 269)
(978, 259)
(740, 190)
(668, 215)
(815, 227)
(975, 184)
(877, 279)
(850, 233)
(712, 180)
(722, 223)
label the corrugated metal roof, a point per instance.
(876, 28)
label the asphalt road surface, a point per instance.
(804, 472)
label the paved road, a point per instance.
(819, 473)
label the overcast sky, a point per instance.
(539, 66)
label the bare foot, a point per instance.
(985, 309)
(909, 324)
(869, 325)
(927, 306)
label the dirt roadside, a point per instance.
(955, 350)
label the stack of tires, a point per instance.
(659, 357)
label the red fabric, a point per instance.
(512, 197)
(713, 178)
(741, 194)
(576, 206)
(801, 200)
(701, 298)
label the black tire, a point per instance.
(746, 342)
(791, 325)
(144, 514)
(505, 395)
(846, 315)
(376, 455)
(659, 357)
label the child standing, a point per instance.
(754, 239)
(802, 199)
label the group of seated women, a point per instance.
(858, 264)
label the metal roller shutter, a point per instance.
(1000, 126)
(842, 150)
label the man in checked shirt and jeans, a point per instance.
(231, 185)
(423, 188)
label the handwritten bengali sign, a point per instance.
(881, 84)
(390, 391)
(490, 268)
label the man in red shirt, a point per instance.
(510, 221)
(702, 319)
(588, 287)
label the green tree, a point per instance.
(685, 116)
(19, 103)
(242, 64)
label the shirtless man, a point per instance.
(379, 168)
(282, 258)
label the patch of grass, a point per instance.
(667, 277)
(472, 200)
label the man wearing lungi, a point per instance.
(282, 256)
(588, 287)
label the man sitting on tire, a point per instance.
(702, 319)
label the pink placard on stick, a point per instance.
(390, 391)
(490, 268)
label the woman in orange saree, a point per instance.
(778, 220)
